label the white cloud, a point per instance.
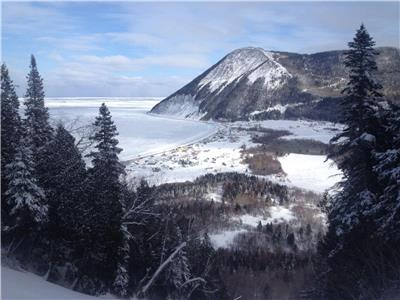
(155, 48)
(27, 17)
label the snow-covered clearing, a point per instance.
(225, 238)
(319, 131)
(280, 214)
(310, 172)
(275, 214)
(23, 285)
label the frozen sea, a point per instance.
(140, 133)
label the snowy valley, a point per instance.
(179, 155)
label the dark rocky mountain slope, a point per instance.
(254, 83)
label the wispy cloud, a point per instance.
(22, 18)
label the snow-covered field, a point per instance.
(311, 172)
(276, 214)
(19, 285)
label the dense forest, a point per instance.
(70, 214)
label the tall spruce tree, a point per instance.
(104, 214)
(67, 176)
(10, 134)
(66, 180)
(24, 196)
(349, 245)
(37, 121)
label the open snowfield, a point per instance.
(311, 172)
(19, 285)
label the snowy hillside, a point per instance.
(23, 285)
(250, 82)
(253, 63)
(246, 68)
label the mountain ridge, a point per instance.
(251, 82)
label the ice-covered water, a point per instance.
(139, 132)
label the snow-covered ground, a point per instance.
(310, 172)
(319, 131)
(225, 238)
(275, 214)
(222, 152)
(244, 223)
(23, 285)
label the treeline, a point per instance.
(235, 189)
(83, 226)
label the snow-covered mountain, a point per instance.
(254, 83)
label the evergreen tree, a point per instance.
(178, 273)
(351, 245)
(37, 122)
(354, 147)
(387, 210)
(10, 134)
(65, 189)
(362, 134)
(102, 228)
(24, 196)
(105, 160)
(121, 283)
(67, 177)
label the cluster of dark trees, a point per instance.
(362, 246)
(77, 223)
(232, 186)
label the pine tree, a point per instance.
(355, 145)
(66, 197)
(37, 122)
(67, 176)
(121, 283)
(362, 134)
(178, 272)
(350, 246)
(387, 210)
(10, 134)
(103, 209)
(24, 196)
(105, 160)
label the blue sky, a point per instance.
(152, 49)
